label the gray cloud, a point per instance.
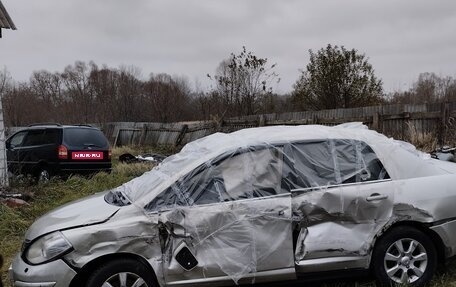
(190, 37)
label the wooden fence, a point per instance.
(398, 121)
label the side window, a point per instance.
(248, 174)
(34, 137)
(313, 164)
(51, 136)
(16, 140)
(332, 162)
(357, 162)
(374, 166)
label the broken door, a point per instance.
(228, 220)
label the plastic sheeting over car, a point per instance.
(266, 199)
(203, 152)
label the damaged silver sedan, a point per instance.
(257, 205)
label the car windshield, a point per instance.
(191, 156)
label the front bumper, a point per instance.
(52, 274)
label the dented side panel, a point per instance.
(340, 221)
(128, 233)
(231, 239)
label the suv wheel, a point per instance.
(404, 255)
(43, 175)
(122, 273)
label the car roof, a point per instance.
(280, 134)
(400, 159)
(57, 126)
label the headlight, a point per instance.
(47, 248)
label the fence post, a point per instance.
(375, 118)
(377, 122)
(116, 138)
(445, 114)
(261, 121)
(142, 137)
(181, 135)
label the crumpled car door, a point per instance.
(343, 196)
(229, 241)
(340, 223)
(240, 230)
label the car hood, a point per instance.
(87, 211)
(446, 166)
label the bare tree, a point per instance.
(167, 96)
(80, 95)
(48, 90)
(129, 92)
(428, 88)
(242, 81)
(104, 83)
(5, 81)
(20, 106)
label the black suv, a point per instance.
(50, 149)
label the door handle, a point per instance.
(179, 231)
(376, 196)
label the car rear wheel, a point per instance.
(404, 256)
(121, 273)
(43, 175)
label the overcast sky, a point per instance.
(190, 37)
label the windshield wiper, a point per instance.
(92, 145)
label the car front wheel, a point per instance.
(121, 273)
(404, 256)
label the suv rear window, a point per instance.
(83, 137)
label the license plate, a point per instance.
(87, 155)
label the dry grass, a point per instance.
(424, 141)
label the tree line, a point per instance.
(243, 84)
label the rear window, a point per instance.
(332, 162)
(83, 137)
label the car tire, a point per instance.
(404, 254)
(122, 272)
(43, 175)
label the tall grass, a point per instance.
(424, 141)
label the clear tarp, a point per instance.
(259, 199)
